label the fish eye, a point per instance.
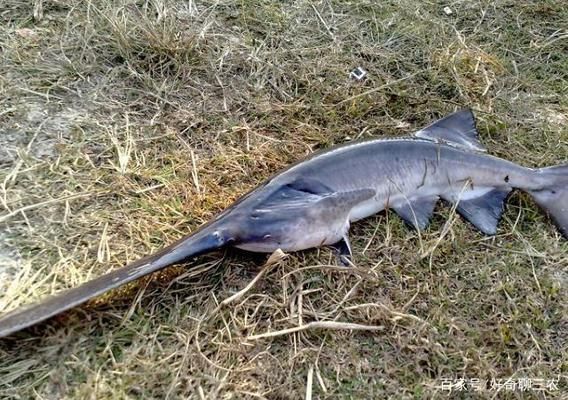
(217, 236)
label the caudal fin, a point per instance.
(553, 198)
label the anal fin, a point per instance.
(484, 212)
(417, 212)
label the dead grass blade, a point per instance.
(331, 325)
(29, 207)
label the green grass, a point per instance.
(126, 125)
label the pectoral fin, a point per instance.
(343, 251)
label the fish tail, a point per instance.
(553, 195)
(201, 242)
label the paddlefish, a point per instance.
(313, 203)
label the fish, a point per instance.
(312, 203)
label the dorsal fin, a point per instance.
(457, 128)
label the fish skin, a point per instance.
(313, 202)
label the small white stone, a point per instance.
(358, 73)
(448, 10)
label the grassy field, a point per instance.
(124, 125)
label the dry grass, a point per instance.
(126, 124)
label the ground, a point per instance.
(124, 125)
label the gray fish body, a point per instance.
(396, 171)
(312, 203)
